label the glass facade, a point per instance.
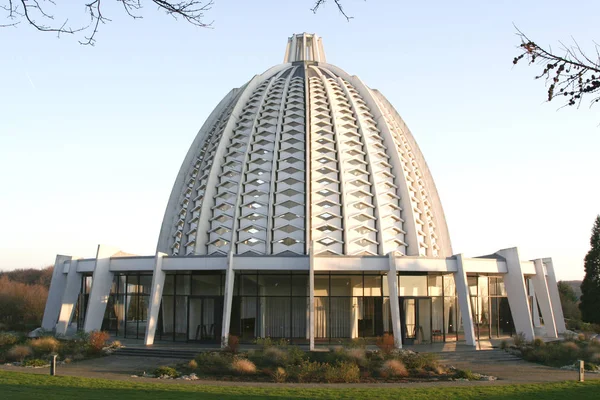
(275, 304)
(270, 304)
(491, 313)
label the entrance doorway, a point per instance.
(205, 318)
(415, 316)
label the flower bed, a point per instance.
(563, 354)
(19, 350)
(282, 363)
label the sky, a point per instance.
(92, 138)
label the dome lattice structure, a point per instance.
(305, 153)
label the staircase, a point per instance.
(187, 354)
(477, 357)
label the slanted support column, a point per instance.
(55, 294)
(229, 279)
(311, 301)
(72, 288)
(543, 297)
(559, 318)
(464, 300)
(101, 282)
(392, 278)
(158, 284)
(517, 293)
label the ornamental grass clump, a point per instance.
(394, 369)
(275, 356)
(279, 375)
(243, 366)
(44, 345)
(19, 353)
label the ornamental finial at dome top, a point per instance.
(304, 47)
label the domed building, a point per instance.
(304, 210)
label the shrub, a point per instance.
(19, 352)
(265, 343)
(213, 363)
(385, 343)
(243, 366)
(279, 375)
(588, 366)
(166, 371)
(357, 343)
(44, 345)
(538, 342)
(97, 340)
(36, 362)
(342, 372)
(504, 345)
(581, 337)
(233, 344)
(519, 339)
(116, 344)
(419, 361)
(393, 368)
(192, 364)
(8, 339)
(295, 355)
(465, 374)
(308, 371)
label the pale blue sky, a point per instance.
(91, 138)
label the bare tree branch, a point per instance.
(36, 13)
(573, 75)
(338, 3)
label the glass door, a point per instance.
(415, 316)
(205, 318)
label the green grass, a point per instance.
(18, 385)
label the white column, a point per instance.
(559, 318)
(464, 301)
(392, 278)
(55, 294)
(311, 301)
(101, 282)
(72, 289)
(158, 284)
(229, 279)
(543, 297)
(514, 281)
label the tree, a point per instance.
(570, 74)
(590, 287)
(568, 301)
(40, 14)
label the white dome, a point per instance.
(304, 153)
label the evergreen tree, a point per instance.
(590, 287)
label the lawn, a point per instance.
(17, 385)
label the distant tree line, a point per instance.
(23, 294)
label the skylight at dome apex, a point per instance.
(304, 210)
